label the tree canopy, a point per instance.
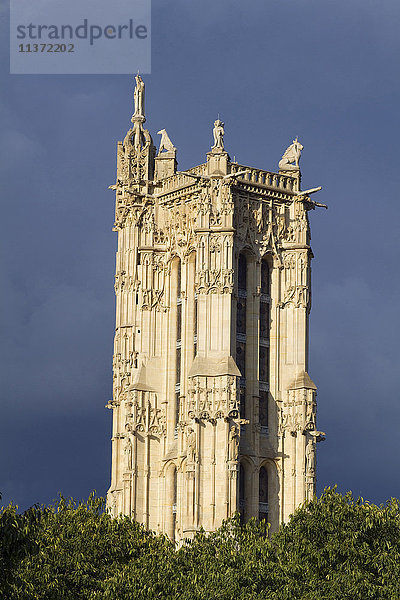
(335, 547)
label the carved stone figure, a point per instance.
(138, 96)
(218, 133)
(310, 458)
(284, 421)
(165, 143)
(310, 414)
(290, 159)
(191, 446)
(128, 454)
(233, 443)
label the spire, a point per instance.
(137, 151)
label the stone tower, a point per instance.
(213, 408)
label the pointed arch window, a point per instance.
(241, 329)
(195, 317)
(264, 339)
(178, 344)
(174, 501)
(241, 491)
(263, 494)
(242, 273)
(175, 494)
(263, 412)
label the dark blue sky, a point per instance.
(327, 72)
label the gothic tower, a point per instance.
(213, 409)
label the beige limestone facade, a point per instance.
(213, 408)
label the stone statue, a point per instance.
(128, 454)
(233, 443)
(218, 133)
(310, 415)
(165, 143)
(290, 159)
(310, 458)
(191, 446)
(138, 96)
(284, 422)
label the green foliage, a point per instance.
(339, 547)
(69, 551)
(334, 547)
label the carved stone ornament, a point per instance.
(290, 159)
(145, 417)
(211, 398)
(154, 274)
(298, 413)
(179, 227)
(296, 289)
(213, 254)
(260, 225)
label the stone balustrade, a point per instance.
(257, 176)
(268, 178)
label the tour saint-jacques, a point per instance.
(214, 411)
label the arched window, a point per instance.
(263, 411)
(263, 353)
(265, 278)
(241, 360)
(241, 490)
(191, 282)
(178, 278)
(241, 316)
(195, 325)
(174, 499)
(264, 363)
(175, 493)
(242, 272)
(263, 494)
(241, 329)
(178, 343)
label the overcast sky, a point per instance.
(327, 72)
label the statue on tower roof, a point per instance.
(291, 157)
(165, 143)
(138, 96)
(218, 133)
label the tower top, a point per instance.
(145, 168)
